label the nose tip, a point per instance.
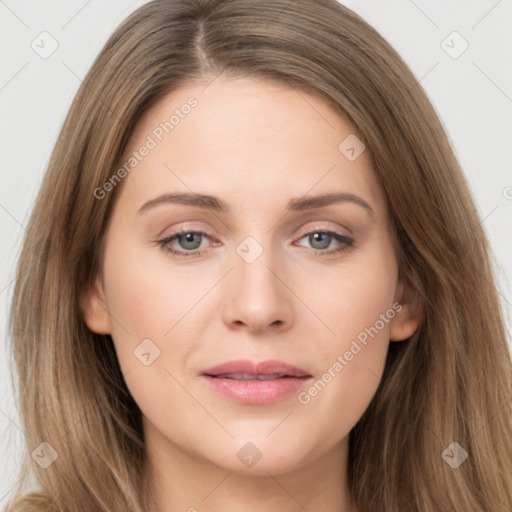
(257, 298)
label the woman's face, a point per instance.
(269, 271)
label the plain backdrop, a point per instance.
(471, 88)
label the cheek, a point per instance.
(350, 298)
(357, 306)
(147, 292)
(152, 312)
(149, 300)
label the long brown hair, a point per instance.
(449, 383)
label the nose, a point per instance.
(258, 297)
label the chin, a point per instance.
(261, 457)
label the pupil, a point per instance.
(323, 238)
(189, 241)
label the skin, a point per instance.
(255, 145)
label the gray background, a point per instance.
(472, 93)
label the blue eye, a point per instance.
(190, 241)
(187, 239)
(324, 239)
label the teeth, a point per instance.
(249, 376)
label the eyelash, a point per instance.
(346, 242)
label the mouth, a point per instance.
(251, 376)
(255, 383)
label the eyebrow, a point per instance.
(295, 204)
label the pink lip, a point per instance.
(256, 391)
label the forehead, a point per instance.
(248, 139)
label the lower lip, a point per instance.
(257, 391)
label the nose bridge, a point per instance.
(255, 268)
(257, 296)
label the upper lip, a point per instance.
(269, 367)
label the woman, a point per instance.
(157, 373)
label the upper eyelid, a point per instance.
(202, 229)
(319, 227)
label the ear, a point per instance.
(95, 309)
(408, 317)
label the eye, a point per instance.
(320, 240)
(187, 239)
(189, 242)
